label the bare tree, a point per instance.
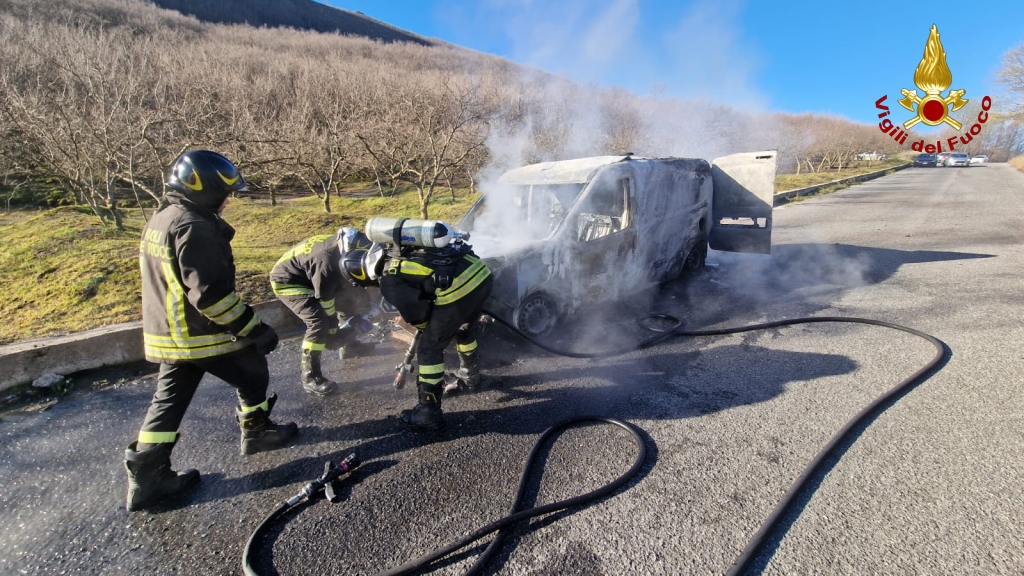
(1008, 133)
(437, 128)
(104, 95)
(80, 98)
(47, 99)
(1011, 75)
(320, 156)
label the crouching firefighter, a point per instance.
(312, 282)
(439, 286)
(194, 322)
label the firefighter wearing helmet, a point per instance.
(194, 322)
(441, 291)
(312, 281)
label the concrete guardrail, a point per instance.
(122, 343)
(784, 197)
(118, 344)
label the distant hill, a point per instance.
(300, 14)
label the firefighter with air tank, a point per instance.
(195, 323)
(431, 275)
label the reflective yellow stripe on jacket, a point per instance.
(410, 267)
(175, 304)
(282, 289)
(464, 283)
(328, 306)
(179, 345)
(229, 309)
(303, 248)
(189, 347)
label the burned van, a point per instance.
(561, 236)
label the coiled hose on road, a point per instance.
(757, 544)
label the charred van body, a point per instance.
(562, 236)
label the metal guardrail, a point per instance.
(785, 197)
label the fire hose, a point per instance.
(757, 544)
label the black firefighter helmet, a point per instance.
(206, 178)
(362, 260)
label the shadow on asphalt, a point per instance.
(523, 405)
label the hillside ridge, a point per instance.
(299, 14)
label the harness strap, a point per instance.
(396, 238)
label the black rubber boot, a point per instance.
(313, 380)
(259, 433)
(469, 372)
(427, 414)
(150, 478)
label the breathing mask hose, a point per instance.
(757, 544)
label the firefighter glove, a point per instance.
(351, 329)
(264, 338)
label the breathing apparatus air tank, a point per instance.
(427, 233)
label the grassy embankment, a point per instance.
(784, 182)
(63, 272)
(1017, 162)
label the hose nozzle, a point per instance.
(331, 473)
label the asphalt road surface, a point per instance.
(935, 484)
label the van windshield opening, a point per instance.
(526, 212)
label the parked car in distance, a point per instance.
(979, 159)
(958, 159)
(941, 158)
(872, 156)
(926, 160)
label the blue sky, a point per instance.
(828, 57)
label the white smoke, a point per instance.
(686, 113)
(705, 105)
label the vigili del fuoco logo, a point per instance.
(933, 77)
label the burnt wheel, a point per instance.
(695, 259)
(537, 315)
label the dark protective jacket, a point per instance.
(424, 278)
(312, 269)
(189, 306)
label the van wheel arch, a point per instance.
(690, 262)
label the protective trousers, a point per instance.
(459, 320)
(320, 324)
(245, 370)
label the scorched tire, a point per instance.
(695, 259)
(537, 315)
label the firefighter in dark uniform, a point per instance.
(310, 280)
(440, 291)
(194, 322)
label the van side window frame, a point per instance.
(595, 225)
